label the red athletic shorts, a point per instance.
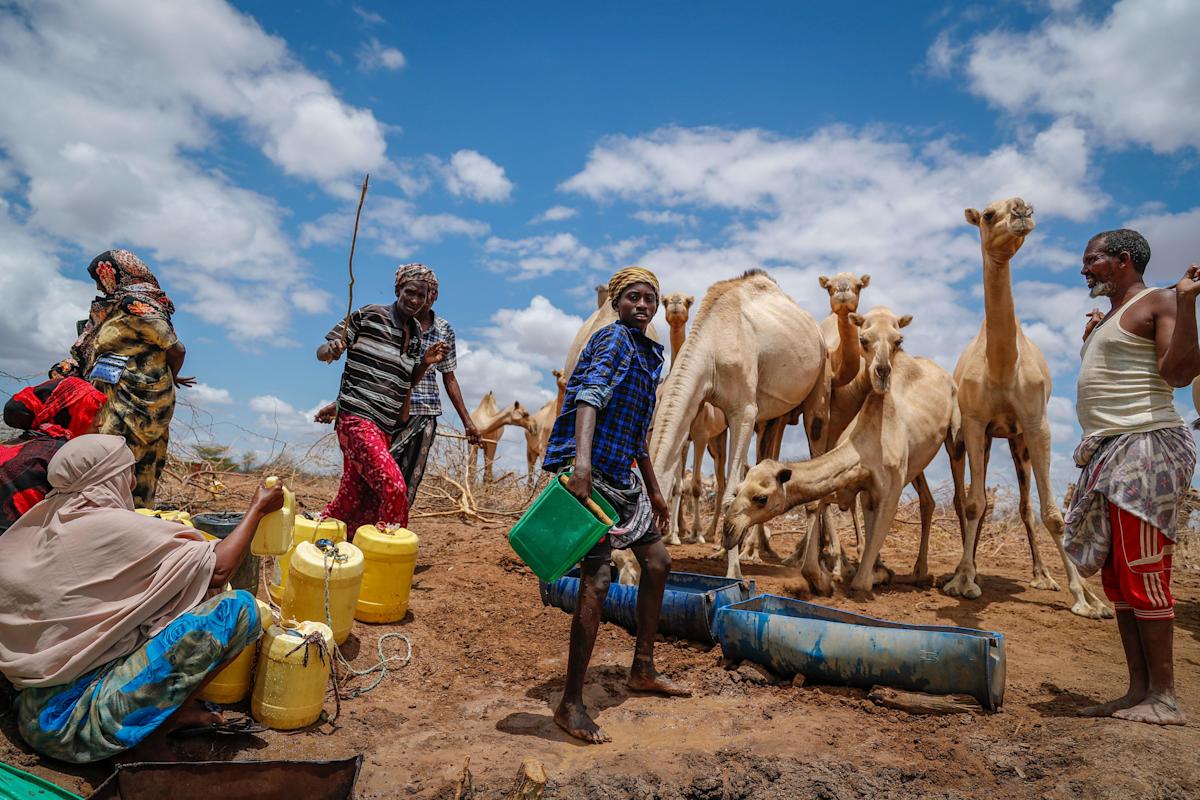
(1137, 574)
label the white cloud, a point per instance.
(116, 158)
(283, 419)
(1174, 243)
(373, 55)
(941, 55)
(554, 214)
(41, 306)
(471, 174)
(204, 395)
(665, 218)
(368, 17)
(840, 199)
(537, 256)
(393, 224)
(1132, 77)
(538, 334)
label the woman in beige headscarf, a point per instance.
(111, 621)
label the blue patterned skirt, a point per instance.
(116, 706)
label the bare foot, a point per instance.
(191, 715)
(1155, 710)
(1130, 699)
(575, 721)
(654, 682)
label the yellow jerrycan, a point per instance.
(307, 529)
(389, 555)
(231, 684)
(293, 668)
(304, 592)
(170, 516)
(274, 534)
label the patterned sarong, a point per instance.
(1146, 474)
(410, 449)
(116, 706)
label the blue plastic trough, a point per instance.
(689, 602)
(830, 646)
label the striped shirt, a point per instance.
(375, 381)
(426, 397)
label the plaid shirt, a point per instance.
(426, 397)
(617, 373)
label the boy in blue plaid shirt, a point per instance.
(607, 410)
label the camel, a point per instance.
(756, 356)
(840, 334)
(707, 432)
(602, 295)
(910, 412)
(539, 424)
(1003, 389)
(490, 420)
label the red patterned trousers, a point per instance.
(372, 488)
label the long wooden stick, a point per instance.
(354, 241)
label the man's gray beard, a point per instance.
(1102, 290)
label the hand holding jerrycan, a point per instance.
(274, 534)
(558, 530)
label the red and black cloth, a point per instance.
(50, 414)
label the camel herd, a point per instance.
(874, 417)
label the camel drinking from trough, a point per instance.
(910, 412)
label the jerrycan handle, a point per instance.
(591, 504)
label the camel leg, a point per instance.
(1020, 456)
(717, 448)
(956, 450)
(1087, 602)
(740, 431)
(854, 516)
(697, 533)
(629, 571)
(920, 573)
(489, 458)
(671, 535)
(877, 521)
(833, 551)
(819, 578)
(963, 582)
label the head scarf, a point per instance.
(622, 279)
(83, 579)
(415, 272)
(58, 408)
(126, 284)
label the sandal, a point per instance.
(233, 725)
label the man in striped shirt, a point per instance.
(384, 360)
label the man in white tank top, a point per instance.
(1137, 457)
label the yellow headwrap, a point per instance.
(624, 278)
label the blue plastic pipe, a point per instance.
(689, 602)
(831, 646)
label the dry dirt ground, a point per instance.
(489, 661)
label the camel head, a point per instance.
(880, 338)
(761, 496)
(676, 306)
(560, 380)
(844, 289)
(602, 295)
(516, 415)
(1003, 226)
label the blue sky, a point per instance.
(526, 150)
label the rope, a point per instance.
(330, 557)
